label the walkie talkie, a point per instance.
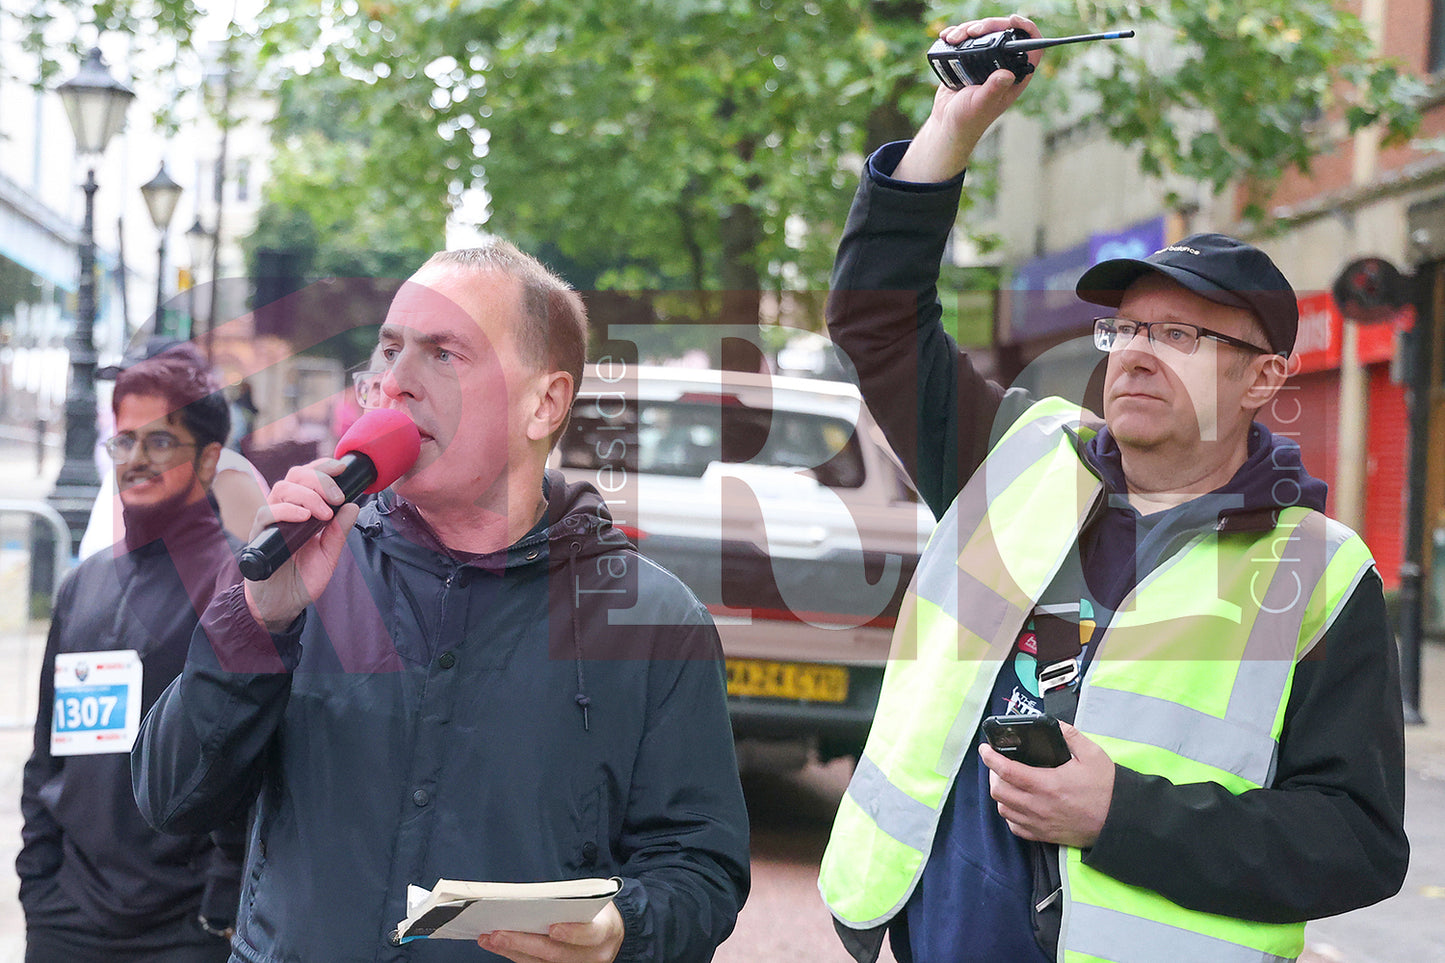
(971, 62)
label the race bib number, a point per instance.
(97, 702)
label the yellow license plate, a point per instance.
(787, 680)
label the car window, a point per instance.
(681, 438)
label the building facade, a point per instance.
(42, 207)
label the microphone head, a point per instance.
(389, 438)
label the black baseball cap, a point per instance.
(1217, 267)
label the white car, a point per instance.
(779, 503)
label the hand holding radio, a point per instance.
(984, 66)
(973, 59)
(960, 116)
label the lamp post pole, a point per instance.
(162, 327)
(95, 103)
(161, 195)
(198, 239)
(77, 473)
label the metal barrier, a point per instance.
(21, 648)
(60, 532)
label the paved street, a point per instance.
(784, 920)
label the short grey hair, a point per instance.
(553, 333)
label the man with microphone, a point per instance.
(473, 676)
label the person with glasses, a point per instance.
(97, 883)
(474, 675)
(238, 490)
(1162, 583)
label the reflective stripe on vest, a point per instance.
(1113, 937)
(1190, 685)
(1238, 733)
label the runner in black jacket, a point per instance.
(98, 883)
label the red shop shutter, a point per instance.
(1387, 447)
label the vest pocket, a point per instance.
(1047, 904)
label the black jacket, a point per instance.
(1328, 835)
(551, 711)
(117, 877)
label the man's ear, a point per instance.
(1268, 373)
(206, 461)
(554, 401)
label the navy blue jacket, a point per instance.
(551, 711)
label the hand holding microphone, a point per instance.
(378, 449)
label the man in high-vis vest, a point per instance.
(1163, 581)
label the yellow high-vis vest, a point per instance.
(1189, 681)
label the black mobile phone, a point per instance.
(1032, 740)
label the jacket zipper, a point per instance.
(442, 611)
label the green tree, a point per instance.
(669, 145)
(711, 145)
(52, 31)
(331, 229)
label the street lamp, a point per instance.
(161, 195)
(95, 103)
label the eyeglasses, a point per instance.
(1112, 334)
(160, 447)
(368, 388)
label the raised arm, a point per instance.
(883, 311)
(943, 145)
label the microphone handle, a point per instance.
(268, 551)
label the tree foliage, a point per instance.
(49, 30)
(667, 144)
(1245, 88)
(713, 144)
(313, 208)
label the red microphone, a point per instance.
(378, 449)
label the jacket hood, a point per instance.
(578, 522)
(575, 527)
(1272, 478)
(1123, 547)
